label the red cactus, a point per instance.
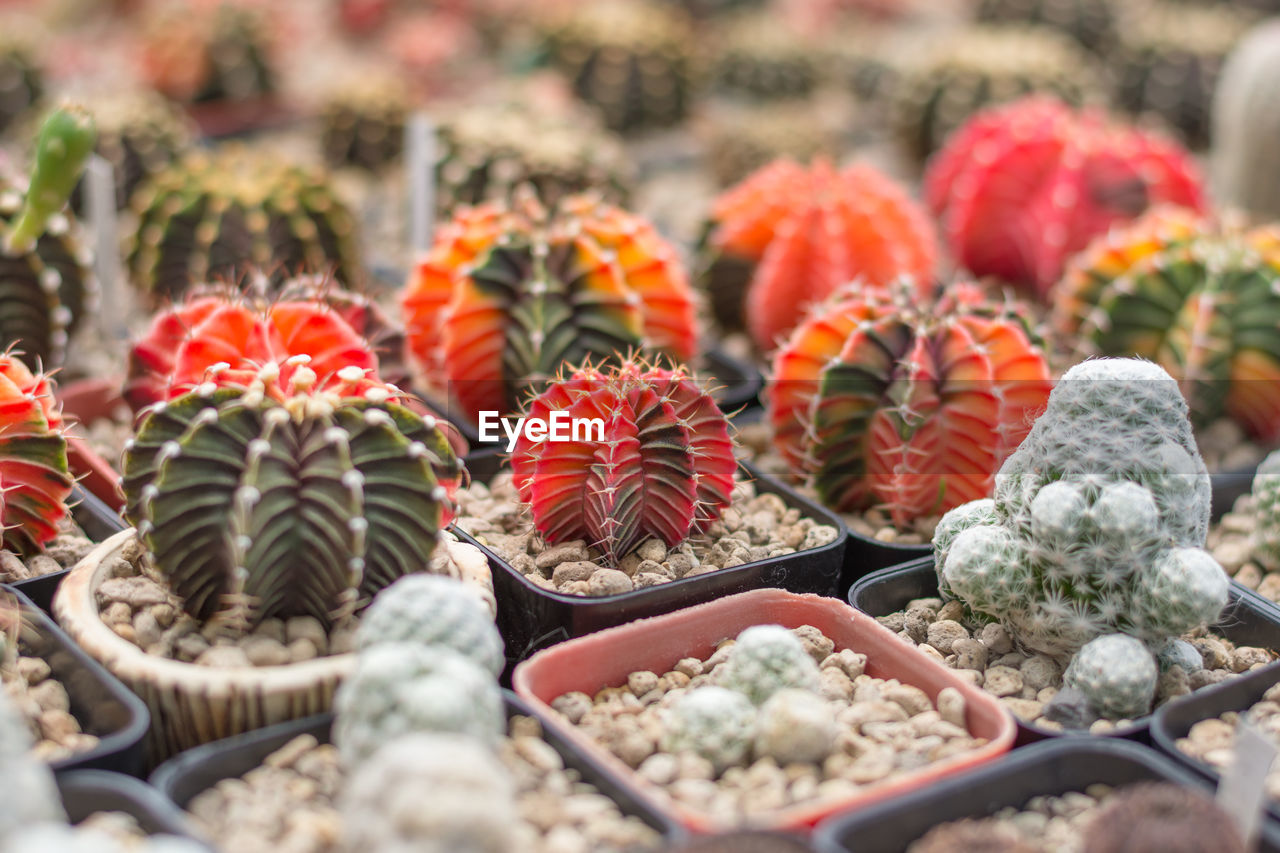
(790, 236)
(665, 468)
(1022, 187)
(34, 480)
(881, 400)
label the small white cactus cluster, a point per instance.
(417, 722)
(764, 703)
(1097, 529)
(1266, 502)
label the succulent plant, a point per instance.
(1169, 60)
(362, 122)
(1022, 187)
(1161, 816)
(35, 482)
(431, 610)
(1246, 121)
(764, 660)
(741, 140)
(431, 793)
(713, 722)
(398, 689)
(34, 798)
(886, 400)
(630, 59)
(1201, 298)
(510, 294)
(284, 497)
(1116, 674)
(488, 150)
(241, 334)
(208, 52)
(984, 67)
(664, 469)
(795, 727)
(22, 79)
(216, 215)
(759, 56)
(46, 285)
(1092, 23)
(789, 236)
(1098, 522)
(1266, 499)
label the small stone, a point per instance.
(951, 706)
(42, 564)
(12, 568)
(135, 591)
(299, 650)
(953, 611)
(642, 682)
(1245, 658)
(818, 645)
(1248, 575)
(569, 552)
(1002, 681)
(1214, 652)
(851, 663)
(970, 654)
(912, 699)
(33, 670)
(579, 571)
(996, 639)
(51, 696)
(224, 656)
(273, 628)
(680, 564)
(573, 705)
(609, 582)
(306, 628)
(943, 634)
(630, 565)
(652, 549)
(117, 613)
(57, 725)
(916, 622)
(1039, 672)
(146, 630)
(660, 768)
(1023, 709)
(1070, 709)
(165, 614)
(1205, 677)
(191, 647)
(688, 666)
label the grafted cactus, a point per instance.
(34, 479)
(880, 399)
(281, 499)
(510, 294)
(664, 469)
(1098, 522)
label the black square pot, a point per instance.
(85, 792)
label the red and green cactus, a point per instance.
(280, 498)
(508, 295)
(880, 400)
(664, 470)
(35, 482)
(789, 236)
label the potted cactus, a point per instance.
(1243, 113)
(269, 508)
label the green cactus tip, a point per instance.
(65, 142)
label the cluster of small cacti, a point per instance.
(22, 79)
(985, 67)
(631, 59)
(509, 294)
(1021, 188)
(35, 482)
(908, 404)
(208, 53)
(215, 215)
(277, 498)
(759, 57)
(664, 467)
(488, 150)
(362, 122)
(1200, 298)
(789, 236)
(1092, 23)
(139, 133)
(1246, 123)
(1097, 528)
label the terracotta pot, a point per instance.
(593, 662)
(190, 704)
(85, 401)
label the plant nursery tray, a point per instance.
(1248, 620)
(531, 617)
(85, 792)
(607, 658)
(99, 702)
(1175, 720)
(189, 773)
(1044, 769)
(98, 522)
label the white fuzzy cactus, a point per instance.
(434, 610)
(713, 722)
(1117, 674)
(399, 688)
(1266, 502)
(795, 727)
(1098, 521)
(764, 660)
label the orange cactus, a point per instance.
(35, 482)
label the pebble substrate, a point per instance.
(1026, 682)
(289, 803)
(1053, 824)
(1213, 740)
(885, 728)
(64, 551)
(1231, 543)
(43, 701)
(753, 527)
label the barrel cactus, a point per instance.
(1023, 187)
(884, 400)
(981, 67)
(1246, 124)
(789, 236)
(22, 77)
(713, 722)
(1116, 674)
(282, 497)
(362, 122)
(663, 468)
(509, 294)
(216, 52)
(1092, 23)
(46, 284)
(35, 482)
(764, 660)
(217, 214)
(139, 134)
(759, 56)
(1199, 297)
(1098, 523)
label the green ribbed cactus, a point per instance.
(714, 722)
(279, 500)
(1246, 125)
(1098, 521)
(1266, 502)
(1116, 674)
(764, 660)
(758, 56)
(1093, 23)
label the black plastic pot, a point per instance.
(97, 520)
(532, 618)
(100, 703)
(85, 792)
(1248, 620)
(1046, 769)
(1228, 486)
(184, 776)
(1175, 720)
